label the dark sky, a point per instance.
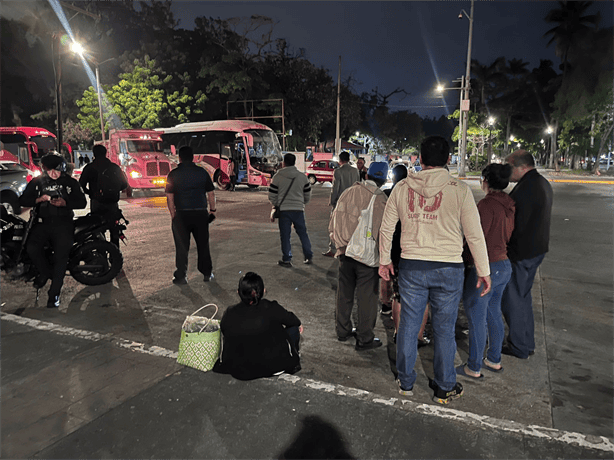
(401, 44)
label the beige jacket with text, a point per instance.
(436, 211)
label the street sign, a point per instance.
(465, 105)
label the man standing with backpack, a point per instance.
(103, 181)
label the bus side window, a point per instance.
(23, 155)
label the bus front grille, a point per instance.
(165, 168)
(152, 169)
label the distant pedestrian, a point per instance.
(484, 312)
(344, 177)
(86, 159)
(436, 211)
(362, 170)
(232, 174)
(188, 191)
(261, 338)
(103, 181)
(356, 279)
(290, 190)
(526, 250)
(81, 161)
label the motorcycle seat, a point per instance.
(87, 222)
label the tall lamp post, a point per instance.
(78, 48)
(465, 103)
(491, 122)
(441, 89)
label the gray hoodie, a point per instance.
(298, 195)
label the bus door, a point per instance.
(253, 176)
(241, 159)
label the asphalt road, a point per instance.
(567, 385)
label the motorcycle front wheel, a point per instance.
(96, 262)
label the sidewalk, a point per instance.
(94, 398)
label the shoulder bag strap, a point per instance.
(286, 194)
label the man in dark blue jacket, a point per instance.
(188, 190)
(526, 250)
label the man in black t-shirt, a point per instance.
(189, 189)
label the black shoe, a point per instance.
(444, 397)
(180, 280)
(206, 279)
(347, 337)
(308, 261)
(53, 302)
(40, 281)
(283, 263)
(369, 345)
(506, 350)
(386, 309)
(329, 253)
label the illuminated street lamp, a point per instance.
(440, 89)
(78, 49)
(491, 122)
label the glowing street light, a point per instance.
(491, 122)
(465, 113)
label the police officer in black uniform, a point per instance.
(55, 194)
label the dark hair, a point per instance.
(521, 158)
(497, 176)
(99, 150)
(289, 159)
(186, 154)
(251, 288)
(344, 156)
(399, 172)
(434, 151)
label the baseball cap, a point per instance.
(378, 171)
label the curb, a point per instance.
(585, 441)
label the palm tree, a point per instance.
(486, 79)
(570, 25)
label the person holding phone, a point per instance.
(55, 195)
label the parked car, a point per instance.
(13, 181)
(321, 171)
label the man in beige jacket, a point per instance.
(436, 211)
(355, 277)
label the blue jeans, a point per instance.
(286, 219)
(443, 288)
(484, 314)
(517, 306)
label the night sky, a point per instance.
(409, 45)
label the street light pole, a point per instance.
(58, 90)
(99, 102)
(465, 113)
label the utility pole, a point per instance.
(465, 105)
(58, 88)
(337, 138)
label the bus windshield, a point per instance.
(141, 145)
(266, 146)
(45, 145)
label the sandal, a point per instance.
(460, 370)
(491, 369)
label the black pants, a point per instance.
(107, 210)
(59, 234)
(361, 280)
(188, 223)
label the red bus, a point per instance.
(26, 145)
(253, 146)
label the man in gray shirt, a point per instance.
(343, 177)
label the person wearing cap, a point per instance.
(55, 194)
(436, 212)
(354, 276)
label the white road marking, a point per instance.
(587, 441)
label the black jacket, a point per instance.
(66, 187)
(256, 342)
(533, 197)
(89, 178)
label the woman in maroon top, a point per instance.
(484, 313)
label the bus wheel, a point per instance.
(312, 179)
(129, 192)
(221, 183)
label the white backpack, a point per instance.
(362, 246)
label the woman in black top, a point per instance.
(261, 338)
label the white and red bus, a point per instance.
(253, 146)
(26, 145)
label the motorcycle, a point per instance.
(93, 259)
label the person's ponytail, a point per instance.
(251, 288)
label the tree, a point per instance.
(139, 100)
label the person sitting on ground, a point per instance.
(260, 337)
(497, 210)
